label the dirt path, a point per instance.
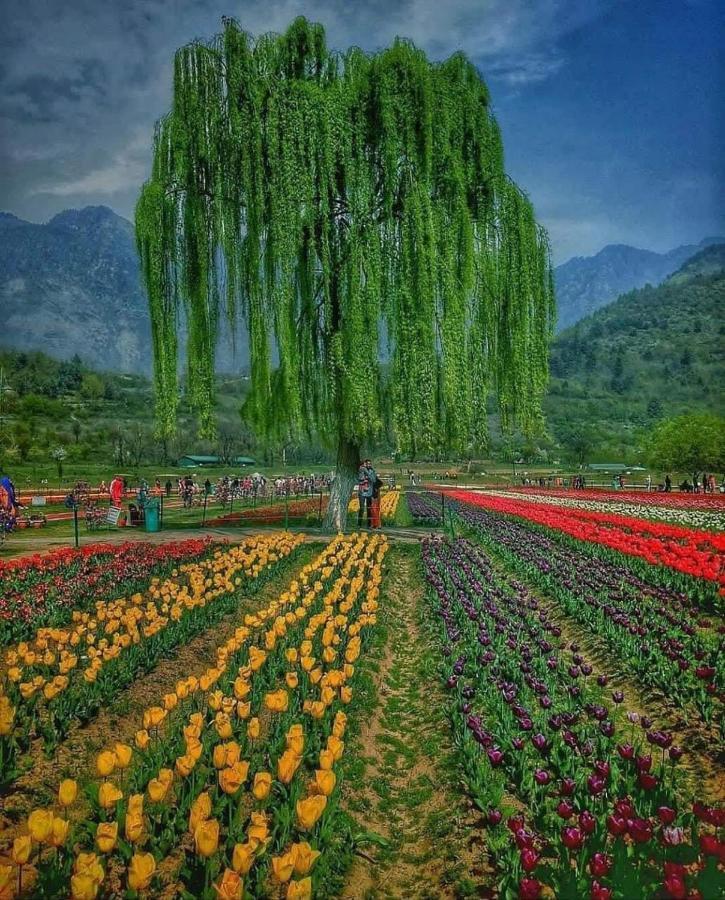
(407, 794)
(120, 720)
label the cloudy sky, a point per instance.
(611, 110)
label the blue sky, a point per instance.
(611, 110)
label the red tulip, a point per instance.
(640, 830)
(616, 825)
(529, 889)
(572, 837)
(600, 892)
(600, 864)
(529, 859)
(666, 815)
(565, 809)
(675, 886)
(647, 781)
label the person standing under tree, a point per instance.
(365, 482)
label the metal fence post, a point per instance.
(161, 512)
(75, 525)
(203, 518)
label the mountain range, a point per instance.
(72, 286)
(586, 283)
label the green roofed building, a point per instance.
(191, 462)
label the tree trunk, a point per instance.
(348, 460)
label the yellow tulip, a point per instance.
(166, 776)
(230, 887)
(184, 765)
(153, 717)
(223, 726)
(88, 864)
(40, 824)
(262, 785)
(300, 890)
(244, 709)
(291, 655)
(316, 675)
(277, 701)
(226, 754)
(194, 748)
(282, 867)
(243, 857)
(335, 746)
(206, 837)
(309, 810)
(292, 679)
(142, 739)
(345, 694)
(140, 871)
(200, 810)
(307, 663)
(241, 688)
(157, 790)
(214, 700)
(105, 763)
(106, 836)
(170, 701)
(253, 729)
(135, 804)
(22, 847)
(325, 780)
(197, 720)
(232, 778)
(123, 754)
(287, 765)
(305, 857)
(108, 795)
(134, 827)
(259, 828)
(83, 887)
(296, 743)
(67, 792)
(59, 833)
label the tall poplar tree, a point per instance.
(355, 210)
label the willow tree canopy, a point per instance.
(354, 208)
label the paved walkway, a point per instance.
(45, 543)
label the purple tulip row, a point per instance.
(533, 720)
(654, 630)
(424, 508)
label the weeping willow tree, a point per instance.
(355, 210)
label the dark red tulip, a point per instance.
(647, 781)
(494, 816)
(596, 785)
(644, 763)
(675, 886)
(565, 810)
(529, 889)
(705, 672)
(587, 822)
(600, 891)
(515, 823)
(710, 845)
(675, 753)
(529, 859)
(541, 776)
(568, 786)
(602, 768)
(666, 815)
(640, 830)
(602, 681)
(600, 864)
(624, 808)
(626, 751)
(616, 825)
(618, 696)
(572, 837)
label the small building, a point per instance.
(193, 461)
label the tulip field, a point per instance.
(518, 696)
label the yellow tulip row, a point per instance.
(299, 857)
(233, 771)
(84, 883)
(389, 504)
(116, 625)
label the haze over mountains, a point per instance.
(72, 286)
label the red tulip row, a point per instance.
(34, 590)
(674, 501)
(697, 553)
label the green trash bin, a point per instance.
(152, 518)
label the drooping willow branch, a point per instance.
(335, 200)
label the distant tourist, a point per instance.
(168, 486)
(668, 484)
(116, 490)
(648, 483)
(365, 484)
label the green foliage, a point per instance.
(337, 200)
(689, 443)
(654, 353)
